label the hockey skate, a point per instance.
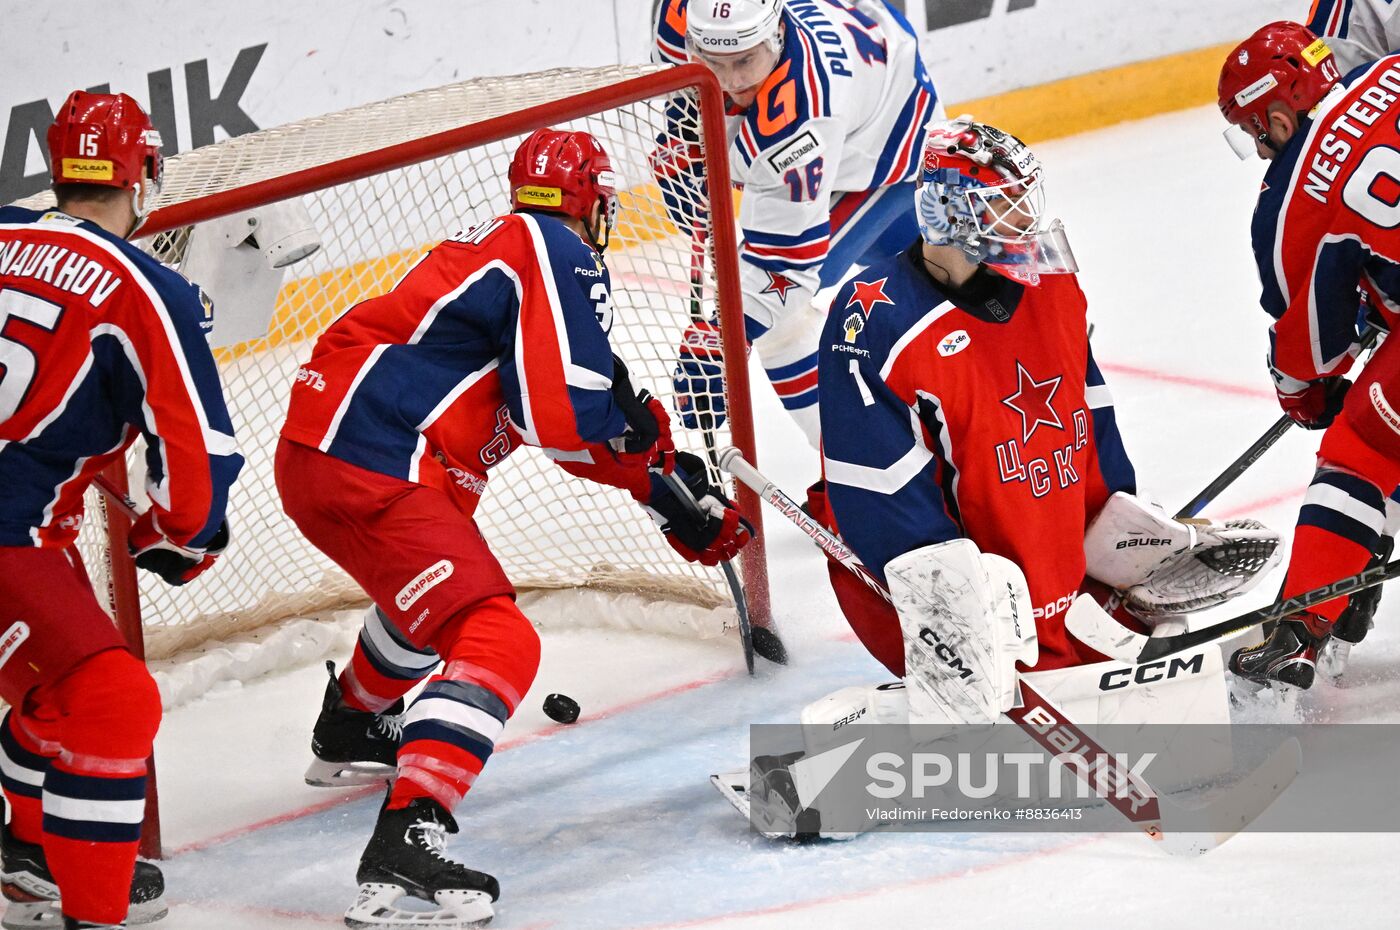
(766, 796)
(406, 856)
(29, 887)
(1288, 656)
(352, 747)
(1354, 623)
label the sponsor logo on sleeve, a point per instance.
(430, 578)
(799, 148)
(14, 637)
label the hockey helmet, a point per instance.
(564, 172)
(982, 189)
(105, 139)
(1282, 62)
(723, 27)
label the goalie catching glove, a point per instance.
(1165, 566)
(176, 564)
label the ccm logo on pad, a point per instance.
(431, 578)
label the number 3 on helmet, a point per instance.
(106, 139)
(568, 173)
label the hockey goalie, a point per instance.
(972, 460)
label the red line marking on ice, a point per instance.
(882, 889)
(349, 795)
(1263, 503)
(1204, 384)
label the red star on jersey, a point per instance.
(868, 294)
(1032, 401)
(778, 284)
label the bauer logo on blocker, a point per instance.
(429, 579)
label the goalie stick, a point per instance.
(1180, 830)
(1094, 628)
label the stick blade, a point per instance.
(1196, 831)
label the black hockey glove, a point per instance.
(648, 425)
(713, 536)
(154, 553)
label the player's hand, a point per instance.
(174, 563)
(648, 425)
(678, 165)
(723, 531)
(1311, 404)
(699, 377)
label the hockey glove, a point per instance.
(722, 533)
(678, 165)
(699, 377)
(174, 563)
(648, 425)
(1311, 404)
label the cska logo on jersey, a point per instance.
(778, 284)
(1032, 401)
(869, 294)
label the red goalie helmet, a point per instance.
(104, 139)
(563, 172)
(1282, 62)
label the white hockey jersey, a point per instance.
(1357, 31)
(843, 111)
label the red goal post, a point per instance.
(382, 183)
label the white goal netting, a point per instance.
(548, 529)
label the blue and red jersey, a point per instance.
(499, 335)
(945, 416)
(1326, 230)
(100, 343)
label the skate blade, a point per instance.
(1332, 659)
(33, 904)
(376, 908)
(322, 774)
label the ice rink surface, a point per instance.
(612, 823)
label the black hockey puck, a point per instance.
(561, 708)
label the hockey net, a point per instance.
(382, 183)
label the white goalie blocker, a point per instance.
(240, 262)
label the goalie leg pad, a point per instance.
(967, 621)
(1166, 566)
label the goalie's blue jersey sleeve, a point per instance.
(941, 420)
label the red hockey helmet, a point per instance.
(104, 139)
(564, 172)
(1282, 62)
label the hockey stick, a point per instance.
(759, 639)
(1181, 830)
(1251, 455)
(741, 604)
(125, 505)
(1102, 633)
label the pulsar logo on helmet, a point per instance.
(1256, 90)
(853, 325)
(954, 342)
(540, 196)
(1316, 52)
(87, 169)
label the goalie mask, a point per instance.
(981, 189)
